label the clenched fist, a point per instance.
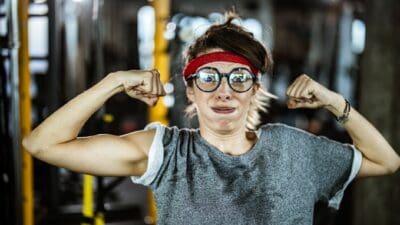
(304, 92)
(144, 85)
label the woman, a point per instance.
(231, 170)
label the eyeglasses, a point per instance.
(208, 79)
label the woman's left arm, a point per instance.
(379, 158)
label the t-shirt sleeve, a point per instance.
(155, 157)
(332, 165)
(161, 154)
(335, 199)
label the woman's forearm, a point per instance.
(366, 137)
(65, 123)
(380, 157)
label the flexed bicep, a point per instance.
(103, 154)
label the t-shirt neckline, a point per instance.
(215, 151)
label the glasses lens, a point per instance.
(207, 79)
(241, 80)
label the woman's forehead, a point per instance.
(210, 50)
(224, 67)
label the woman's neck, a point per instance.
(232, 143)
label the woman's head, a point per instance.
(231, 38)
(239, 52)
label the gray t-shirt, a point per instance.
(277, 182)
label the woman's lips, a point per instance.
(223, 110)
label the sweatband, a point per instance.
(194, 64)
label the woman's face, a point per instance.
(222, 110)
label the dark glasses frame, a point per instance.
(221, 76)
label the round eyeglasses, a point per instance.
(208, 79)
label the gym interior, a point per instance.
(52, 50)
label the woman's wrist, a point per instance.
(337, 105)
(115, 82)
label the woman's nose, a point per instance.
(224, 92)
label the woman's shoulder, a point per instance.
(285, 130)
(278, 127)
(158, 125)
(171, 132)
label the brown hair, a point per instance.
(233, 38)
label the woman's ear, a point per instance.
(254, 91)
(255, 88)
(190, 93)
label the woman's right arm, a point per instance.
(56, 140)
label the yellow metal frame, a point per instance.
(25, 112)
(161, 63)
(161, 57)
(87, 205)
(88, 202)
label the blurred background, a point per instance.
(53, 50)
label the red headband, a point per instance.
(194, 64)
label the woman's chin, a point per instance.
(224, 125)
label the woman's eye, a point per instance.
(207, 77)
(239, 78)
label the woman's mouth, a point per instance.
(223, 110)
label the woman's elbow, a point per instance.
(393, 166)
(29, 146)
(397, 166)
